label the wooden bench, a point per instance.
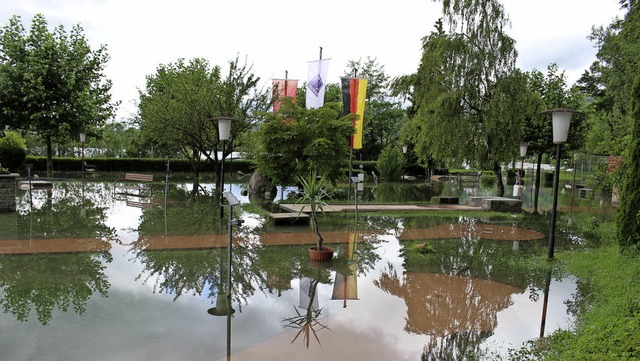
(289, 218)
(446, 200)
(133, 182)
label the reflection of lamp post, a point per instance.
(224, 131)
(356, 185)
(83, 137)
(561, 119)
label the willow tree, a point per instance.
(466, 92)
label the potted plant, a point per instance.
(313, 194)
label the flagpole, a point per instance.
(286, 76)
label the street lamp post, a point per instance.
(405, 148)
(517, 189)
(561, 118)
(83, 138)
(224, 131)
(523, 154)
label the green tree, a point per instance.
(296, 141)
(52, 83)
(628, 216)
(550, 91)
(466, 92)
(391, 163)
(181, 101)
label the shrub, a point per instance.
(391, 163)
(13, 151)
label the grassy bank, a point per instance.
(608, 310)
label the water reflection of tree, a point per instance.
(456, 312)
(49, 281)
(45, 282)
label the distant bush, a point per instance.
(65, 164)
(391, 163)
(13, 151)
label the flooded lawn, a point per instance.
(89, 275)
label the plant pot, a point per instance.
(323, 255)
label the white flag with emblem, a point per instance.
(316, 83)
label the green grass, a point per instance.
(608, 310)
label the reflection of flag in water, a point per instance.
(354, 92)
(346, 285)
(316, 83)
(283, 88)
(308, 289)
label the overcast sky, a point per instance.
(283, 35)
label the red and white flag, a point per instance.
(283, 88)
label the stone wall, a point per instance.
(8, 186)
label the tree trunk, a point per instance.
(537, 184)
(49, 156)
(500, 185)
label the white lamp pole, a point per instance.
(224, 131)
(561, 118)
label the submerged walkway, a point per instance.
(211, 241)
(296, 208)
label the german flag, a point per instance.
(354, 91)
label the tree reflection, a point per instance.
(46, 282)
(64, 222)
(457, 312)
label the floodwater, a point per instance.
(86, 274)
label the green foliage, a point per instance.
(297, 141)
(12, 139)
(391, 163)
(628, 217)
(155, 165)
(12, 151)
(52, 83)
(383, 115)
(313, 193)
(467, 81)
(181, 101)
(608, 325)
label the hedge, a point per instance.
(70, 164)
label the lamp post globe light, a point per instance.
(224, 132)
(561, 120)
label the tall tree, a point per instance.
(180, 103)
(551, 91)
(628, 216)
(466, 90)
(52, 83)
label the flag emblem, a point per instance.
(315, 85)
